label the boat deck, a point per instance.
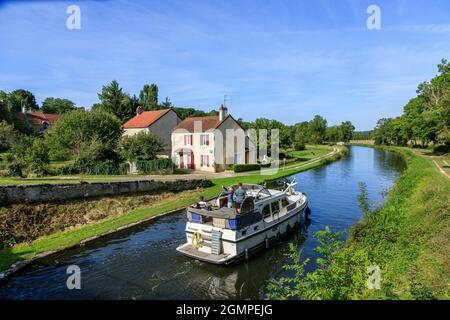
(190, 251)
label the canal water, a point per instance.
(141, 263)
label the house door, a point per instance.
(188, 161)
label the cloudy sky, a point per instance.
(281, 59)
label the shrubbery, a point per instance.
(154, 166)
(246, 167)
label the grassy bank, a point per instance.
(408, 239)
(68, 238)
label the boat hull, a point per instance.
(247, 246)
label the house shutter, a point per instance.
(207, 140)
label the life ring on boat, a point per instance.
(196, 239)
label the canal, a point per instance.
(141, 263)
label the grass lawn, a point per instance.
(65, 239)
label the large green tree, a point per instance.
(85, 135)
(317, 129)
(142, 146)
(57, 105)
(115, 101)
(148, 97)
(22, 98)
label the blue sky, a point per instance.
(280, 59)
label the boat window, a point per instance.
(266, 212)
(275, 207)
(284, 202)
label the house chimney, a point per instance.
(139, 110)
(223, 112)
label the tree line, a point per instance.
(426, 118)
(315, 131)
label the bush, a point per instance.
(108, 168)
(230, 167)
(14, 170)
(66, 170)
(152, 166)
(141, 147)
(299, 146)
(441, 149)
(246, 167)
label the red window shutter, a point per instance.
(207, 140)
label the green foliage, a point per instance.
(87, 136)
(7, 136)
(142, 146)
(14, 170)
(154, 166)
(330, 280)
(22, 98)
(32, 154)
(116, 102)
(425, 119)
(191, 112)
(246, 167)
(362, 135)
(148, 97)
(343, 132)
(57, 105)
(299, 146)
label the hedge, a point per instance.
(152, 166)
(246, 167)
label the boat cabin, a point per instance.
(260, 203)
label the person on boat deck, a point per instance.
(240, 196)
(230, 195)
(202, 203)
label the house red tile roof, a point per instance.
(36, 118)
(145, 119)
(208, 123)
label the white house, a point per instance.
(204, 143)
(159, 122)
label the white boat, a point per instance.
(222, 235)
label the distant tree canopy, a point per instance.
(57, 105)
(191, 112)
(425, 119)
(343, 132)
(362, 135)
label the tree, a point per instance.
(22, 98)
(346, 129)
(32, 154)
(142, 146)
(7, 136)
(57, 105)
(166, 104)
(90, 136)
(148, 97)
(115, 101)
(317, 129)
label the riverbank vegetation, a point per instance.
(407, 240)
(74, 235)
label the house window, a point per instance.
(204, 161)
(204, 139)
(188, 140)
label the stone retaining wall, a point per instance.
(63, 192)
